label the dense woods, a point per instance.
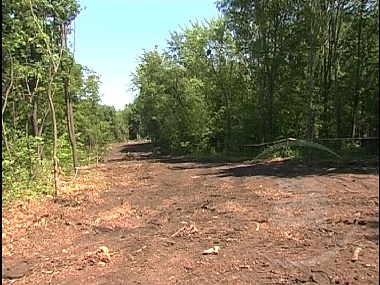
(52, 119)
(262, 71)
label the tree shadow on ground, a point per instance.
(146, 151)
(373, 226)
(140, 147)
(294, 168)
(281, 169)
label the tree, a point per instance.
(42, 87)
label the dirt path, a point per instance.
(274, 223)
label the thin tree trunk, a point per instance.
(337, 105)
(266, 86)
(327, 51)
(5, 139)
(226, 96)
(337, 96)
(356, 99)
(3, 107)
(272, 78)
(262, 105)
(70, 123)
(14, 115)
(34, 117)
(32, 169)
(261, 71)
(36, 129)
(55, 135)
(69, 106)
(32, 87)
(310, 123)
(53, 69)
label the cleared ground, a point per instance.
(144, 219)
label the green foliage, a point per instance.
(286, 145)
(97, 125)
(263, 71)
(36, 63)
(23, 172)
(248, 77)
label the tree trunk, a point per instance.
(356, 98)
(310, 122)
(55, 135)
(70, 123)
(14, 115)
(337, 96)
(3, 107)
(326, 83)
(226, 97)
(69, 108)
(37, 131)
(4, 135)
(262, 106)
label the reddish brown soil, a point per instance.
(275, 223)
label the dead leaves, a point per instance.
(186, 231)
(191, 229)
(123, 216)
(101, 256)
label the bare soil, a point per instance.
(139, 218)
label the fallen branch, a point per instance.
(179, 231)
(356, 254)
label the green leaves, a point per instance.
(293, 142)
(245, 77)
(242, 78)
(36, 65)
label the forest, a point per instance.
(261, 72)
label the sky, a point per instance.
(110, 35)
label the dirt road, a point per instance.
(141, 219)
